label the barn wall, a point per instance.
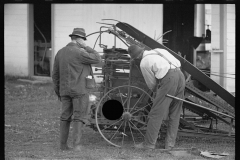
(16, 38)
(223, 45)
(230, 46)
(145, 17)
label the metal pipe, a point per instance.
(199, 106)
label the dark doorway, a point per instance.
(180, 19)
(42, 39)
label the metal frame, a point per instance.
(213, 111)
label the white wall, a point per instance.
(230, 46)
(16, 47)
(217, 53)
(146, 17)
(223, 39)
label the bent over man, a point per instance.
(161, 69)
(71, 66)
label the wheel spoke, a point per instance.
(120, 95)
(137, 102)
(140, 116)
(111, 130)
(116, 131)
(141, 108)
(109, 97)
(136, 128)
(139, 122)
(131, 133)
(129, 98)
(121, 98)
(125, 101)
(113, 124)
(123, 132)
(102, 118)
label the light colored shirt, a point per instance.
(155, 66)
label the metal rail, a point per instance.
(200, 106)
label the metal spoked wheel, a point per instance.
(121, 115)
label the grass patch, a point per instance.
(14, 78)
(32, 132)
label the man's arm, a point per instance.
(55, 76)
(89, 55)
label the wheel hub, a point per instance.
(127, 116)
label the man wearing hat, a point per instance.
(72, 65)
(162, 74)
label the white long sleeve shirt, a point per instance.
(155, 66)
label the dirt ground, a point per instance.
(32, 131)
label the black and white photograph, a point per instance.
(119, 81)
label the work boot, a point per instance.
(64, 131)
(77, 134)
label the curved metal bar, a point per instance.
(163, 35)
(112, 20)
(105, 23)
(122, 23)
(120, 39)
(96, 33)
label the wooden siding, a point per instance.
(223, 38)
(16, 39)
(68, 16)
(146, 17)
(230, 49)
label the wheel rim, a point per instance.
(128, 128)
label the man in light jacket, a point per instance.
(71, 66)
(162, 70)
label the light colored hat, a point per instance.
(134, 51)
(80, 32)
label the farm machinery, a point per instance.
(121, 114)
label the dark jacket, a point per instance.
(71, 66)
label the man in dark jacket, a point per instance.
(71, 66)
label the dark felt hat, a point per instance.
(80, 32)
(134, 51)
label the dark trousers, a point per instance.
(75, 108)
(173, 84)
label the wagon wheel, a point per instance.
(121, 115)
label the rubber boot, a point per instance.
(64, 132)
(77, 134)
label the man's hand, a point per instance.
(81, 43)
(57, 93)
